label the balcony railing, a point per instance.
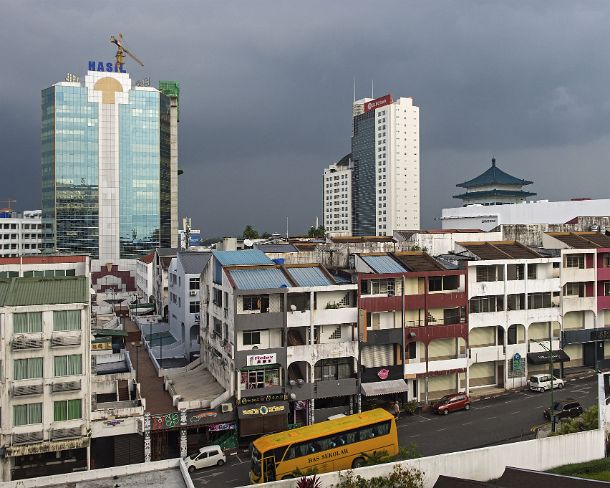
(68, 433)
(65, 386)
(61, 339)
(26, 390)
(26, 341)
(27, 437)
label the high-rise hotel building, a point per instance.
(384, 169)
(109, 170)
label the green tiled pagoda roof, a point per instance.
(493, 176)
(43, 291)
(475, 195)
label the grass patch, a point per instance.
(594, 470)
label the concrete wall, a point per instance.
(489, 462)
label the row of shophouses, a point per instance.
(286, 340)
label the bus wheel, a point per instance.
(288, 477)
(358, 463)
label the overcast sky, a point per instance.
(267, 91)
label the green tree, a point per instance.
(265, 235)
(319, 231)
(250, 233)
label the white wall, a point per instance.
(489, 462)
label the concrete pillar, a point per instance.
(183, 443)
(147, 443)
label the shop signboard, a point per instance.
(197, 417)
(221, 427)
(262, 399)
(263, 410)
(260, 359)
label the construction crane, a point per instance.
(121, 51)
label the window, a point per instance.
(217, 327)
(66, 320)
(27, 322)
(217, 297)
(25, 369)
(381, 287)
(333, 369)
(441, 283)
(193, 283)
(515, 271)
(27, 414)
(516, 302)
(575, 261)
(607, 288)
(67, 365)
(532, 271)
(490, 273)
(194, 307)
(67, 410)
(538, 300)
(260, 378)
(574, 289)
(487, 304)
(252, 337)
(255, 302)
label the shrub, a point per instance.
(398, 478)
(313, 482)
(408, 452)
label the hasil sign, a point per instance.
(378, 102)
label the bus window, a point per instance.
(382, 429)
(365, 434)
(269, 464)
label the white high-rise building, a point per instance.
(338, 198)
(385, 155)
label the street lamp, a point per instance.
(550, 350)
(137, 346)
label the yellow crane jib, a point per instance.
(121, 52)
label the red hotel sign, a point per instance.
(378, 102)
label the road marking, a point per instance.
(424, 418)
(467, 423)
(490, 418)
(515, 413)
(240, 461)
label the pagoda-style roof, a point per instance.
(494, 176)
(475, 195)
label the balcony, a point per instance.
(65, 339)
(485, 319)
(60, 387)
(446, 300)
(333, 388)
(384, 336)
(380, 303)
(418, 368)
(27, 438)
(577, 275)
(542, 345)
(485, 354)
(542, 285)
(298, 318)
(27, 388)
(315, 352)
(575, 304)
(241, 357)
(26, 341)
(331, 316)
(431, 332)
(66, 432)
(603, 274)
(301, 392)
(120, 409)
(485, 288)
(603, 302)
(255, 321)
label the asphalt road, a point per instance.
(500, 420)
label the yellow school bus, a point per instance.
(332, 445)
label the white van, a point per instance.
(205, 457)
(542, 382)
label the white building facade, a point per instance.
(386, 160)
(338, 198)
(487, 217)
(21, 234)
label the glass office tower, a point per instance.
(108, 166)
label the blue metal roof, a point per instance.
(493, 176)
(259, 278)
(383, 264)
(245, 257)
(310, 276)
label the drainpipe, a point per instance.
(402, 335)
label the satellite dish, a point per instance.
(248, 243)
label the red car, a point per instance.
(451, 403)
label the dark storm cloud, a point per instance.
(267, 89)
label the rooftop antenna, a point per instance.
(287, 228)
(354, 89)
(493, 159)
(9, 201)
(372, 88)
(122, 50)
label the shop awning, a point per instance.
(384, 387)
(559, 356)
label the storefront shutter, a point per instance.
(377, 356)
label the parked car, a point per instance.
(542, 382)
(451, 403)
(205, 457)
(563, 409)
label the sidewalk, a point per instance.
(151, 385)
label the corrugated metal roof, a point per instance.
(193, 262)
(43, 291)
(259, 278)
(310, 276)
(245, 257)
(383, 264)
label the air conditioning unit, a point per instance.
(226, 407)
(193, 293)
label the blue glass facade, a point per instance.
(363, 183)
(70, 169)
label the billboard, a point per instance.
(378, 102)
